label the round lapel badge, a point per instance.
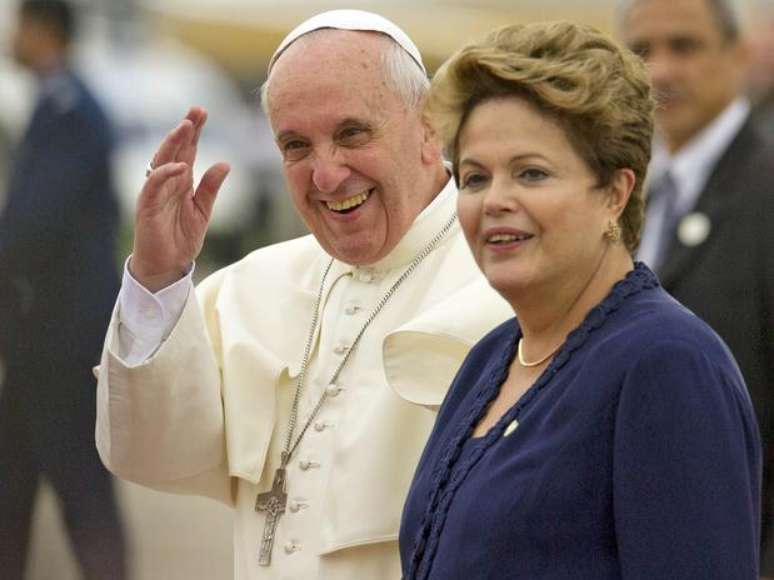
(693, 229)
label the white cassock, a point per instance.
(208, 413)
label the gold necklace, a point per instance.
(524, 363)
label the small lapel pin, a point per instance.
(511, 428)
(693, 229)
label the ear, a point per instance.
(432, 151)
(619, 191)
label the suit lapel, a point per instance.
(718, 195)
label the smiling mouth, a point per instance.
(507, 238)
(350, 204)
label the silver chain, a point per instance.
(290, 445)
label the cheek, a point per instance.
(580, 232)
(562, 225)
(468, 213)
(706, 76)
(378, 168)
(297, 181)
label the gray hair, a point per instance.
(401, 74)
(727, 15)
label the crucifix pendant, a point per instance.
(273, 503)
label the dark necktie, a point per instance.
(665, 191)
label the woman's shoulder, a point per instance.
(657, 319)
(640, 325)
(664, 346)
(638, 313)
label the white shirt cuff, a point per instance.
(146, 319)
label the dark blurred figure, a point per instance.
(58, 282)
(708, 230)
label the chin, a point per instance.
(505, 283)
(355, 254)
(509, 278)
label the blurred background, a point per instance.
(148, 61)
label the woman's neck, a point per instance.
(548, 314)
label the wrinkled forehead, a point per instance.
(332, 74)
(329, 58)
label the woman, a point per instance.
(607, 433)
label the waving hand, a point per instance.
(172, 216)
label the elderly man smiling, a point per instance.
(297, 385)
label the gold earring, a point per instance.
(613, 232)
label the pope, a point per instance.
(299, 384)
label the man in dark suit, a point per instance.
(708, 229)
(58, 282)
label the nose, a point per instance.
(661, 67)
(500, 198)
(329, 172)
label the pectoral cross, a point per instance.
(273, 503)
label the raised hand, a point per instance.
(172, 217)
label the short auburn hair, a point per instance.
(597, 90)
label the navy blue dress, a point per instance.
(636, 455)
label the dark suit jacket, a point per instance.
(58, 276)
(728, 280)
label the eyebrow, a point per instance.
(282, 135)
(521, 157)
(352, 121)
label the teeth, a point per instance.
(503, 238)
(348, 203)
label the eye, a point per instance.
(641, 49)
(294, 149)
(532, 175)
(473, 180)
(684, 45)
(353, 136)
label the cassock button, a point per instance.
(290, 547)
(341, 349)
(332, 390)
(296, 505)
(320, 426)
(351, 310)
(304, 464)
(366, 276)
